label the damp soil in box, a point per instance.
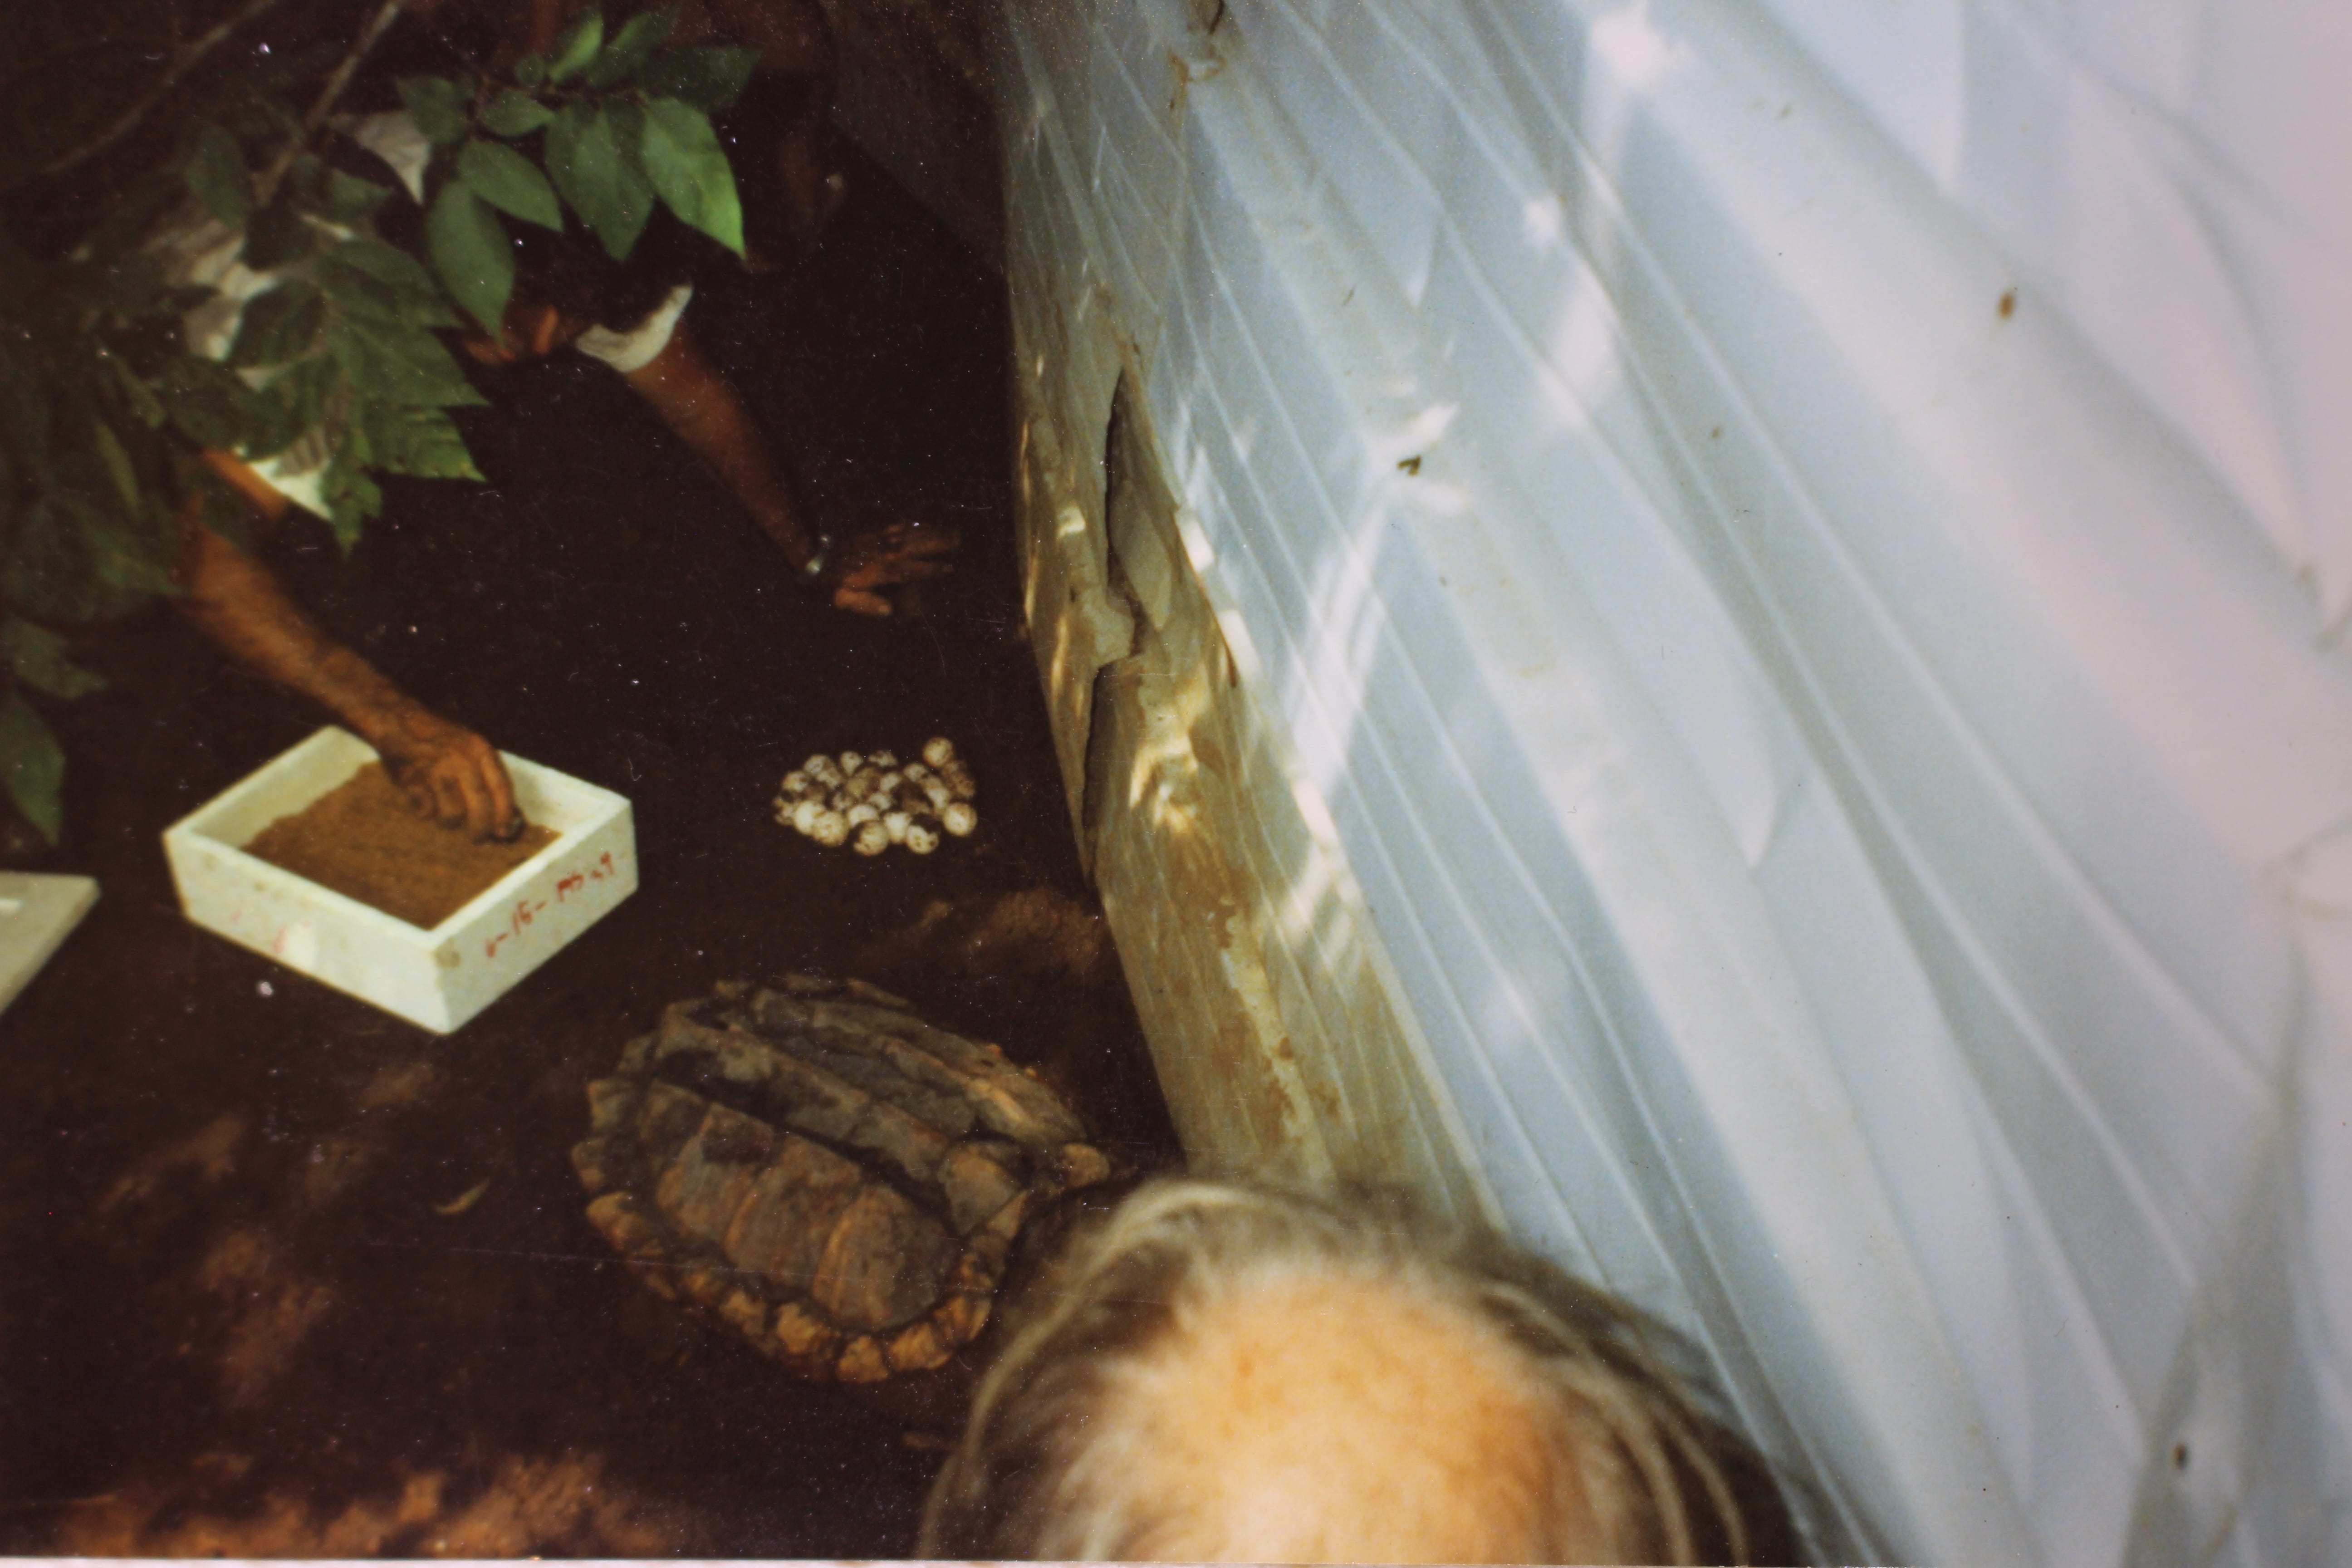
(363, 840)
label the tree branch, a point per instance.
(185, 61)
(386, 15)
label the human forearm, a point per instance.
(697, 402)
(449, 772)
(242, 607)
(704, 410)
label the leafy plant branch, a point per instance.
(237, 301)
(339, 79)
(621, 122)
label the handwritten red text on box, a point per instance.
(527, 909)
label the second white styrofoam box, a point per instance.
(37, 912)
(437, 978)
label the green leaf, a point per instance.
(80, 484)
(642, 34)
(439, 105)
(53, 570)
(600, 174)
(690, 170)
(509, 181)
(145, 344)
(472, 252)
(128, 565)
(711, 77)
(24, 408)
(394, 363)
(293, 405)
(33, 767)
(513, 113)
(278, 325)
(423, 443)
(531, 72)
(576, 46)
(258, 122)
(137, 393)
(352, 497)
(331, 196)
(118, 468)
(38, 657)
(222, 509)
(217, 176)
(274, 237)
(361, 298)
(127, 556)
(351, 201)
(206, 400)
(368, 278)
(356, 293)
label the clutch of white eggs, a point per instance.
(870, 801)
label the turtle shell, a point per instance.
(821, 1172)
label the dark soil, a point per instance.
(363, 840)
(286, 1276)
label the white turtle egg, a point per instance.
(796, 784)
(921, 838)
(916, 772)
(851, 762)
(888, 784)
(821, 769)
(958, 779)
(959, 818)
(871, 839)
(938, 750)
(886, 761)
(937, 792)
(895, 823)
(829, 828)
(862, 813)
(804, 814)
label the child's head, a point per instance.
(1221, 1373)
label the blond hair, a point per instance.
(1056, 1460)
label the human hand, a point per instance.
(529, 331)
(865, 562)
(448, 772)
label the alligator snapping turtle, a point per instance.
(824, 1173)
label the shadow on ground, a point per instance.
(286, 1276)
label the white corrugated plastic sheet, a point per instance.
(1806, 548)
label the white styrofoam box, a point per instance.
(36, 914)
(437, 978)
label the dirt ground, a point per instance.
(285, 1275)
